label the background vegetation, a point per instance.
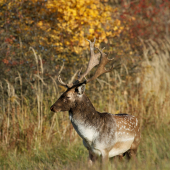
(37, 36)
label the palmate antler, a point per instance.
(94, 60)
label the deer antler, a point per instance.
(59, 78)
(101, 68)
(94, 60)
(61, 82)
(70, 84)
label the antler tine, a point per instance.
(79, 73)
(70, 84)
(61, 82)
(94, 60)
(92, 45)
(59, 78)
(101, 68)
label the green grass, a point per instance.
(53, 156)
(153, 153)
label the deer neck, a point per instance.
(88, 122)
(82, 109)
(83, 117)
(83, 112)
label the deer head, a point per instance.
(68, 99)
(75, 90)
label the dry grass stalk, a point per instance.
(26, 123)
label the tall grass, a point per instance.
(31, 137)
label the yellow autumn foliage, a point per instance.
(76, 20)
(67, 23)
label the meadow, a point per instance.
(153, 153)
(32, 137)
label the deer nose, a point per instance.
(52, 109)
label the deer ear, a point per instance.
(81, 89)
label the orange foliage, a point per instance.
(64, 24)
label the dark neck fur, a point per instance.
(83, 107)
(85, 112)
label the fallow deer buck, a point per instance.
(103, 134)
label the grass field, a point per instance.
(153, 153)
(32, 140)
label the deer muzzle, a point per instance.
(53, 108)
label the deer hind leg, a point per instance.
(131, 153)
(121, 157)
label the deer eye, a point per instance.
(66, 99)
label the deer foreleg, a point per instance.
(105, 159)
(92, 159)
